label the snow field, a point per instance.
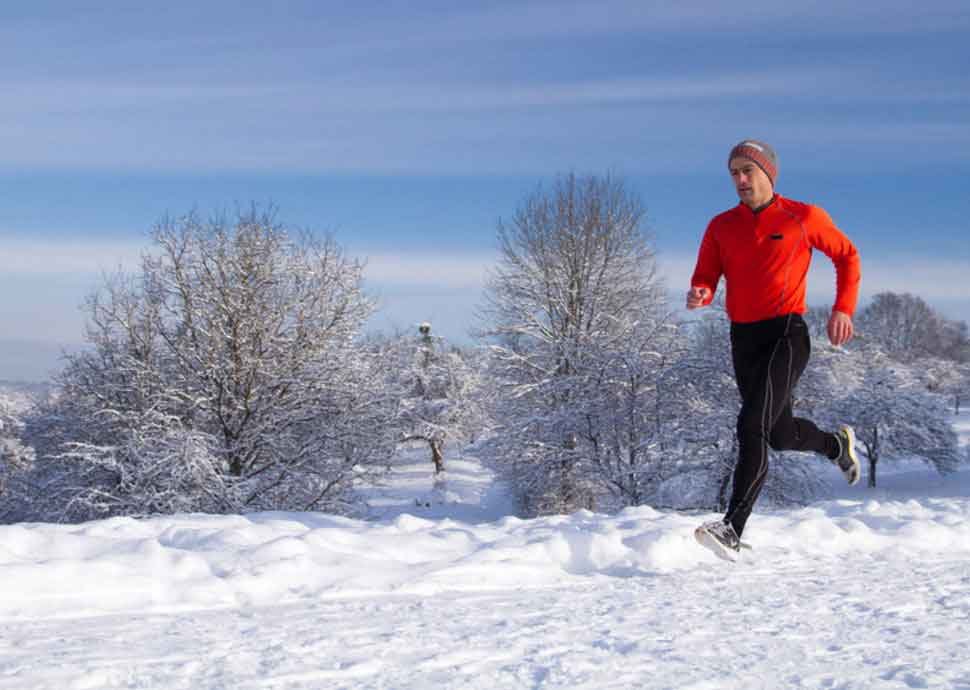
(868, 590)
(860, 620)
(198, 561)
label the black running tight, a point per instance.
(769, 357)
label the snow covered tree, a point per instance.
(15, 455)
(223, 376)
(946, 377)
(894, 415)
(817, 319)
(439, 401)
(907, 328)
(666, 418)
(890, 407)
(579, 332)
(959, 388)
(708, 410)
(626, 429)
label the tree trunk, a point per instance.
(436, 446)
(437, 457)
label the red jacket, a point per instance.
(764, 259)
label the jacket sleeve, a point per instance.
(827, 238)
(708, 270)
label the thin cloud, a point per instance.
(435, 271)
(226, 29)
(437, 127)
(311, 99)
(22, 258)
(555, 19)
(65, 257)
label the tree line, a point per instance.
(230, 372)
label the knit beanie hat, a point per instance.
(760, 153)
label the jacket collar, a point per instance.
(756, 211)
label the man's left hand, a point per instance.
(840, 328)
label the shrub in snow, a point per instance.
(225, 375)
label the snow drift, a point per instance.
(198, 561)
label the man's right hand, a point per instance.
(697, 297)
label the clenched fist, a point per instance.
(697, 296)
(840, 328)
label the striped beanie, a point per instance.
(760, 153)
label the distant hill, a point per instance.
(18, 389)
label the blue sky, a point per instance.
(409, 129)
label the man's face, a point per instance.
(752, 184)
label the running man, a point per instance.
(763, 247)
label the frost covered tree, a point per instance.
(708, 409)
(627, 429)
(888, 404)
(946, 377)
(15, 455)
(439, 401)
(907, 328)
(224, 375)
(959, 387)
(579, 335)
(910, 331)
(817, 319)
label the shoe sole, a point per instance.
(856, 467)
(705, 539)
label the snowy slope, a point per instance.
(869, 590)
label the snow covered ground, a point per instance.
(870, 589)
